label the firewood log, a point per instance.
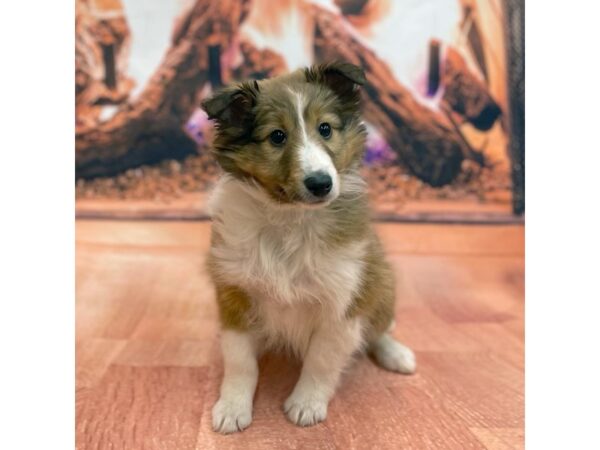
(101, 51)
(467, 94)
(258, 64)
(151, 128)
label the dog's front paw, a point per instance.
(305, 410)
(230, 416)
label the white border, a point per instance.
(562, 225)
(37, 227)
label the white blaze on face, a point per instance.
(313, 157)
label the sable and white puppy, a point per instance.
(295, 262)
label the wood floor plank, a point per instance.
(384, 410)
(140, 233)
(92, 358)
(488, 240)
(164, 352)
(142, 408)
(495, 340)
(480, 388)
(124, 291)
(460, 289)
(500, 438)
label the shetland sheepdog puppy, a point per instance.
(294, 259)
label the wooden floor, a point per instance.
(148, 362)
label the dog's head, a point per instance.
(294, 135)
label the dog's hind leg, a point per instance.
(392, 355)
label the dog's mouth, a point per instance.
(309, 201)
(282, 196)
(317, 201)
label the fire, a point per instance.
(282, 27)
(400, 33)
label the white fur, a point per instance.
(313, 158)
(233, 411)
(331, 347)
(300, 289)
(279, 255)
(392, 355)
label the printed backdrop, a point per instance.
(435, 102)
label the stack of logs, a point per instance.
(150, 129)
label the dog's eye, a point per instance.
(277, 137)
(325, 130)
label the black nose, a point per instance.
(318, 183)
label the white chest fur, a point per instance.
(281, 257)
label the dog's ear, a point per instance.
(341, 77)
(232, 107)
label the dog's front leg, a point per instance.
(330, 349)
(233, 411)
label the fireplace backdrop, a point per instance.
(436, 102)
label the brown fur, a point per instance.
(376, 299)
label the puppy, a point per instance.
(296, 264)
